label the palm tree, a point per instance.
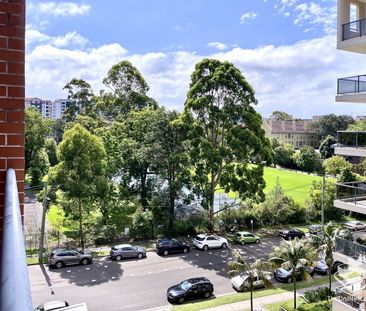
(257, 268)
(325, 243)
(295, 255)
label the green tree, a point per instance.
(295, 255)
(81, 100)
(129, 92)
(336, 165)
(38, 167)
(307, 159)
(172, 159)
(314, 202)
(325, 241)
(51, 149)
(359, 125)
(224, 132)
(36, 131)
(132, 151)
(325, 149)
(56, 219)
(283, 155)
(281, 116)
(253, 270)
(80, 174)
(331, 123)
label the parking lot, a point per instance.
(137, 284)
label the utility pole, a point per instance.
(43, 224)
(323, 190)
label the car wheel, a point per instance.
(224, 245)
(185, 250)
(84, 262)
(181, 300)
(205, 248)
(207, 295)
(289, 280)
(257, 241)
(118, 258)
(165, 253)
(139, 255)
(59, 264)
(242, 243)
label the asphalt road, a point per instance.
(137, 284)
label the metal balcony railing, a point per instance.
(351, 139)
(354, 29)
(351, 85)
(351, 192)
(15, 291)
(352, 294)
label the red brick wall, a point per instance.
(12, 54)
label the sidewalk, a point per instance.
(262, 301)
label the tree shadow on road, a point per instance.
(100, 271)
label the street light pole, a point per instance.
(43, 224)
(323, 190)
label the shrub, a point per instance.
(318, 294)
(317, 306)
(142, 224)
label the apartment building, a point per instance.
(49, 109)
(351, 37)
(297, 133)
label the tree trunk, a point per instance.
(82, 242)
(251, 295)
(171, 210)
(294, 280)
(330, 278)
(144, 202)
(211, 202)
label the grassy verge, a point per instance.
(231, 298)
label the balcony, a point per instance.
(352, 89)
(350, 297)
(351, 196)
(352, 36)
(350, 144)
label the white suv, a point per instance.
(207, 241)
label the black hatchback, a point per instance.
(190, 289)
(167, 246)
(289, 234)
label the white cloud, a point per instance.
(300, 78)
(71, 39)
(248, 16)
(217, 45)
(58, 8)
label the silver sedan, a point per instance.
(119, 252)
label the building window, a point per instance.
(354, 13)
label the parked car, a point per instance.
(127, 251)
(241, 282)
(291, 233)
(284, 276)
(52, 305)
(190, 289)
(167, 246)
(244, 237)
(322, 268)
(207, 241)
(354, 225)
(315, 229)
(62, 257)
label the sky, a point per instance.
(286, 49)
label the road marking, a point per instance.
(68, 270)
(105, 266)
(113, 277)
(224, 261)
(210, 253)
(87, 268)
(210, 263)
(94, 280)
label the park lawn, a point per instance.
(236, 297)
(295, 184)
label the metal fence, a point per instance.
(15, 291)
(354, 139)
(351, 85)
(352, 192)
(354, 29)
(351, 249)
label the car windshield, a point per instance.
(186, 285)
(199, 238)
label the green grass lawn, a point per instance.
(295, 184)
(236, 297)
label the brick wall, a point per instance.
(12, 42)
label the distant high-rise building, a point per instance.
(49, 109)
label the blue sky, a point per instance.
(285, 48)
